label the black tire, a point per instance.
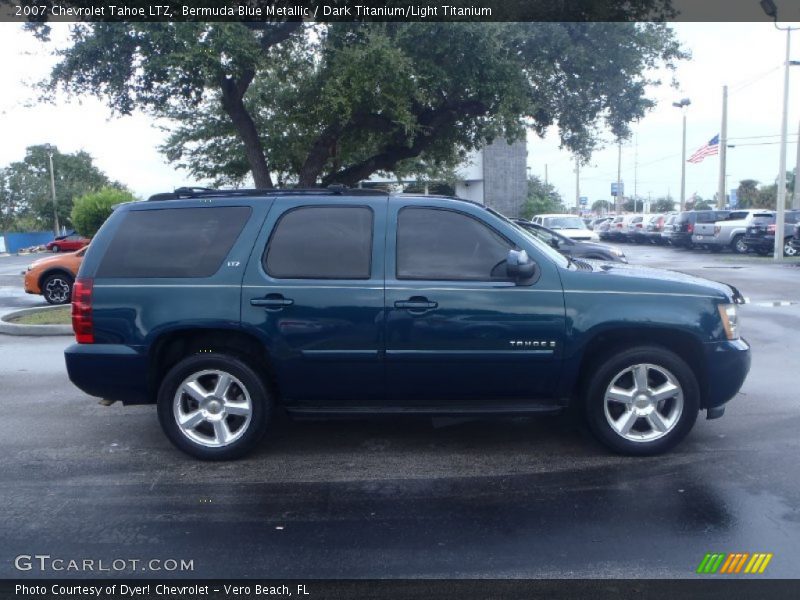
(57, 288)
(261, 401)
(56, 248)
(604, 375)
(788, 248)
(738, 245)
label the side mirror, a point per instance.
(554, 243)
(519, 266)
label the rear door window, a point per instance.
(321, 242)
(173, 242)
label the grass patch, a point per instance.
(57, 316)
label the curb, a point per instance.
(33, 330)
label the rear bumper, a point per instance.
(760, 243)
(728, 364)
(680, 238)
(707, 240)
(110, 371)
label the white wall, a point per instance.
(472, 168)
(470, 190)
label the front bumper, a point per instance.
(110, 371)
(728, 364)
(31, 282)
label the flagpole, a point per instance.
(723, 149)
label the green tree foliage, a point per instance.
(542, 198)
(663, 205)
(89, 212)
(335, 103)
(26, 200)
(747, 193)
(602, 206)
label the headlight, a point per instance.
(730, 320)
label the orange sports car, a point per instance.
(52, 277)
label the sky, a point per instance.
(748, 57)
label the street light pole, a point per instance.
(772, 11)
(56, 227)
(796, 198)
(683, 104)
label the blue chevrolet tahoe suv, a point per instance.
(222, 307)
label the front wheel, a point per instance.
(788, 249)
(56, 248)
(643, 401)
(57, 289)
(214, 406)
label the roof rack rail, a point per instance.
(185, 193)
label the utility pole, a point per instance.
(617, 203)
(796, 197)
(56, 227)
(635, 166)
(577, 182)
(723, 149)
(545, 174)
(683, 105)
(781, 206)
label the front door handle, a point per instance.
(272, 302)
(416, 303)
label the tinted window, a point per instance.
(736, 216)
(710, 216)
(442, 244)
(321, 242)
(792, 217)
(173, 242)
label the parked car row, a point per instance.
(740, 231)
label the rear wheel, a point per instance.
(214, 406)
(738, 245)
(56, 248)
(788, 249)
(642, 401)
(57, 288)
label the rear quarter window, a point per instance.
(173, 242)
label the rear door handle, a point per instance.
(416, 303)
(272, 302)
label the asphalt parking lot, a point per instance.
(416, 498)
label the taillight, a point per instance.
(771, 228)
(639, 225)
(690, 227)
(82, 310)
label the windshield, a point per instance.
(564, 223)
(542, 247)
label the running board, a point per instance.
(428, 411)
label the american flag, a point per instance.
(710, 149)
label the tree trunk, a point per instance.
(233, 103)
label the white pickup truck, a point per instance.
(728, 233)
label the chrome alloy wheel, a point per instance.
(57, 290)
(788, 249)
(212, 408)
(643, 403)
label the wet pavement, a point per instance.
(419, 498)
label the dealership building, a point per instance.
(495, 175)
